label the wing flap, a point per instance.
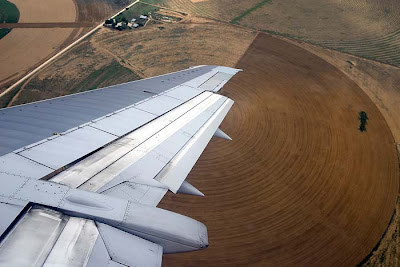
(8, 213)
(150, 158)
(128, 249)
(142, 154)
(79, 237)
(32, 238)
(141, 193)
(176, 171)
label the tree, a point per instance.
(363, 117)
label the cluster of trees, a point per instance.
(363, 117)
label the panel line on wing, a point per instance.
(76, 175)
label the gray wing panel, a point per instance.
(8, 214)
(124, 121)
(13, 164)
(65, 149)
(128, 249)
(33, 122)
(136, 192)
(99, 256)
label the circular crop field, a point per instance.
(299, 184)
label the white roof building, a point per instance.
(135, 25)
(143, 17)
(133, 20)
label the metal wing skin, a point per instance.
(81, 175)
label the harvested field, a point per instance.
(224, 10)
(160, 48)
(99, 10)
(141, 53)
(368, 29)
(9, 13)
(365, 28)
(27, 47)
(299, 184)
(82, 68)
(379, 81)
(46, 11)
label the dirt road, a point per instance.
(299, 184)
(48, 25)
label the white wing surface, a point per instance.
(81, 175)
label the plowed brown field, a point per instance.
(299, 184)
(22, 49)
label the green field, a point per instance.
(9, 13)
(108, 75)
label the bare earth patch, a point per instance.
(46, 10)
(379, 81)
(22, 49)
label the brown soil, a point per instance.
(25, 48)
(99, 10)
(299, 184)
(46, 10)
(379, 81)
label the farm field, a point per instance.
(224, 10)
(46, 11)
(26, 47)
(153, 50)
(82, 68)
(369, 29)
(49, 26)
(99, 10)
(9, 13)
(379, 82)
(299, 184)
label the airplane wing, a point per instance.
(81, 175)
